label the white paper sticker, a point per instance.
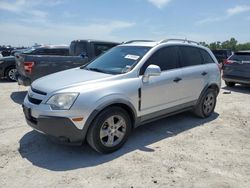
(133, 57)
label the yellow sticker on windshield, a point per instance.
(133, 57)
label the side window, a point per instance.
(206, 57)
(166, 58)
(102, 48)
(190, 56)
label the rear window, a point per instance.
(78, 48)
(240, 57)
(101, 48)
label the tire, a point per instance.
(104, 132)
(205, 106)
(230, 84)
(11, 74)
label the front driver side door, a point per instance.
(162, 92)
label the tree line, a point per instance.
(228, 44)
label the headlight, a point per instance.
(1, 62)
(62, 101)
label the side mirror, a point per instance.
(152, 70)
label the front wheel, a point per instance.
(206, 105)
(11, 74)
(109, 130)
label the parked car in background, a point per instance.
(236, 69)
(19, 50)
(8, 68)
(6, 51)
(130, 85)
(223, 54)
(52, 59)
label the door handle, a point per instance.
(204, 73)
(177, 79)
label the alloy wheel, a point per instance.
(113, 130)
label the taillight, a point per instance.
(227, 62)
(28, 66)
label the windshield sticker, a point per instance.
(133, 57)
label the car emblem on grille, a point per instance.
(31, 94)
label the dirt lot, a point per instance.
(179, 151)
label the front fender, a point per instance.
(103, 103)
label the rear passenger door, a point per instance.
(194, 72)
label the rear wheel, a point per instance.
(11, 74)
(206, 105)
(230, 84)
(109, 130)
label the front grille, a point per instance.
(38, 91)
(34, 101)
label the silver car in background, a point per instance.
(130, 85)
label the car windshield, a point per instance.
(118, 60)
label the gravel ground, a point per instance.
(179, 151)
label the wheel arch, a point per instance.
(209, 86)
(127, 106)
(7, 68)
(215, 87)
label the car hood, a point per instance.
(66, 79)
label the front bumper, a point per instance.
(59, 127)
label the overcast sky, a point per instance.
(25, 22)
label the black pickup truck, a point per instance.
(32, 67)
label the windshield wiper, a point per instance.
(95, 69)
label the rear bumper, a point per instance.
(236, 79)
(23, 80)
(59, 127)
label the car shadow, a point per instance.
(42, 152)
(4, 80)
(238, 88)
(18, 96)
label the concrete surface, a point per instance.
(179, 151)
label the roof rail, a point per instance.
(132, 41)
(182, 40)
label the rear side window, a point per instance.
(166, 58)
(190, 56)
(206, 57)
(102, 48)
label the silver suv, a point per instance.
(130, 85)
